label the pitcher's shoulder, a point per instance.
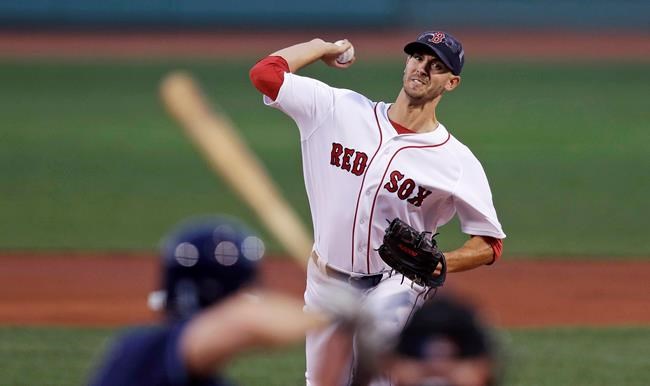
(462, 152)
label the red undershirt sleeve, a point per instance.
(497, 247)
(267, 75)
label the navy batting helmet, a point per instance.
(203, 261)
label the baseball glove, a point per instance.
(413, 254)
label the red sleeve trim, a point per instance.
(497, 248)
(267, 75)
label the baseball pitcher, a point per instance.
(381, 178)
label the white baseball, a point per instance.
(347, 55)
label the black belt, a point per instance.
(360, 282)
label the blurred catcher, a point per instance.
(444, 344)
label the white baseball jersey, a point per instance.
(360, 173)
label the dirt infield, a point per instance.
(546, 45)
(111, 290)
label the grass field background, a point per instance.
(544, 357)
(90, 160)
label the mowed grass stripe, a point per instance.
(541, 356)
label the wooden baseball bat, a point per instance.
(214, 135)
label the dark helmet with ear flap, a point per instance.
(204, 260)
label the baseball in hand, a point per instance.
(347, 55)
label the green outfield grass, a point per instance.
(548, 356)
(89, 160)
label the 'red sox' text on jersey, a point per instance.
(359, 172)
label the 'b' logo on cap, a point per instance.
(437, 37)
